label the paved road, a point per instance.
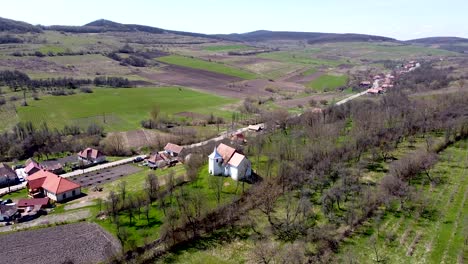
(101, 166)
(216, 139)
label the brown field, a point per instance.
(299, 78)
(135, 139)
(204, 80)
(73, 243)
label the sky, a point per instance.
(401, 19)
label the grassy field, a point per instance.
(437, 238)
(226, 48)
(118, 109)
(326, 83)
(207, 66)
(300, 57)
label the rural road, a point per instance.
(49, 219)
(375, 85)
(216, 139)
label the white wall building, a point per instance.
(225, 161)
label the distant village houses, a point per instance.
(226, 161)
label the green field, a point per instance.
(301, 57)
(226, 48)
(207, 66)
(436, 237)
(326, 83)
(118, 109)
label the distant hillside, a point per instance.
(17, 26)
(310, 37)
(103, 25)
(438, 40)
(446, 43)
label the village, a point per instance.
(47, 183)
(382, 82)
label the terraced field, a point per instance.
(437, 237)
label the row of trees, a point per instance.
(27, 140)
(18, 80)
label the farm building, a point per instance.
(157, 160)
(8, 212)
(7, 175)
(32, 204)
(47, 184)
(173, 149)
(91, 156)
(33, 166)
(238, 137)
(226, 161)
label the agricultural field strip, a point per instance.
(449, 245)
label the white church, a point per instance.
(225, 161)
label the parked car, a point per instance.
(138, 159)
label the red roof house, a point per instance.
(173, 149)
(90, 155)
(44, 183)
(42, 202)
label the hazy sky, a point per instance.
(402, 19)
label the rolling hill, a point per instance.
(311, 37)
(17, 26)
(438, 40)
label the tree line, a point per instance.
(18, 80)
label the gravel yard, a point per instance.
(74, 243)
(105, 175)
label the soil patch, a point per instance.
(106, 175)
(73, 243)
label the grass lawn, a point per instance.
(226, 48)
(117, 109)
(326, 83)
(207, 66)
(20, 194)
(309, 72)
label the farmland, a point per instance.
(118, 109)
(225, 48)
(78, 243)
(207, 66)
(326, 83)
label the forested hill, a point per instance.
(17, 26)
(311, 37)
(438, 40)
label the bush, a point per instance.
(2, 101)
(13, 98)
(86, 90)
(39, 54)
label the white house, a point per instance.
(47, 184)
(226, 161)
